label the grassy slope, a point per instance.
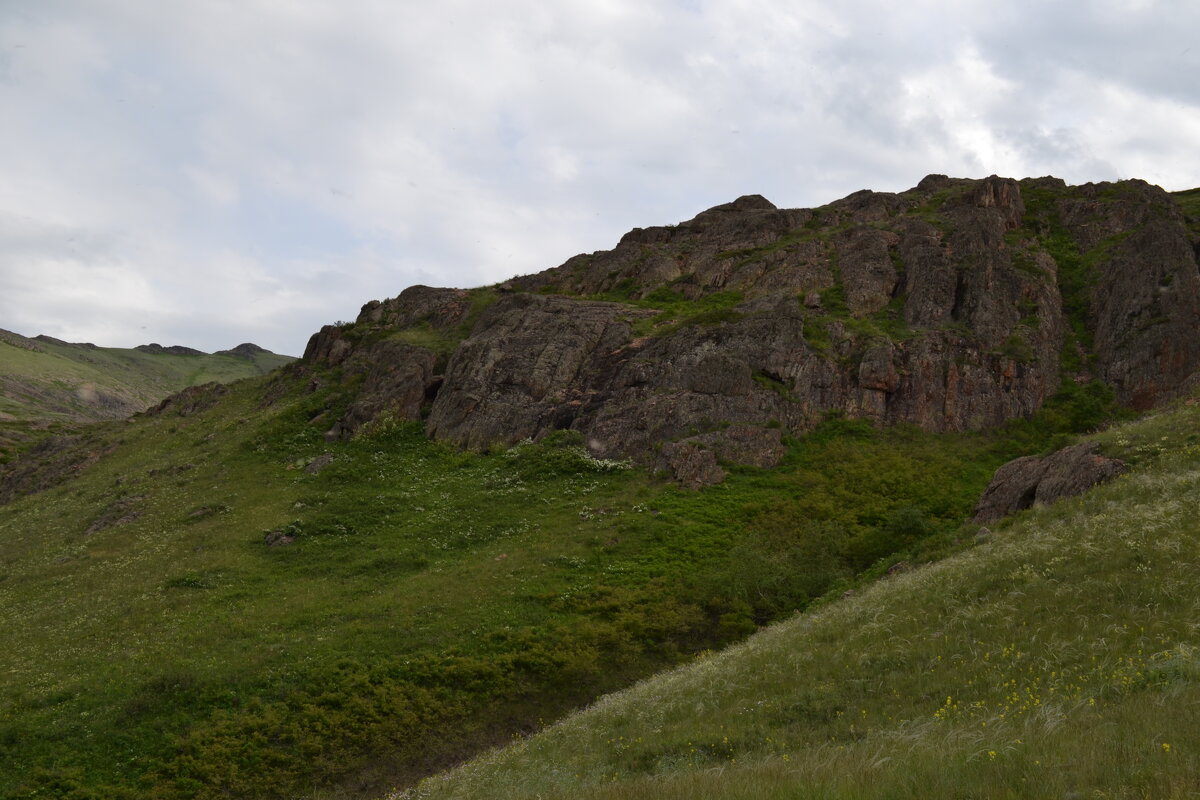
(1060, 657)
(1189, 201)
(59, 383)
(266, 362)
(142, 377)
(433, 602)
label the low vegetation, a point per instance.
(1189, 202)
(52, 385)
(417, 603)
(675, 310)
(1056, 656)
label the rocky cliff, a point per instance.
(955, 305)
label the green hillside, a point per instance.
(45, 383)
(420, 603)
(1058, 657)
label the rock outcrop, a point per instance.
(154, 348)
(1143, 288)
(398, 376)
(1029, 481)
(949, 306)
(245, 350)
(898, 331)
(441, 309)
(532, 365)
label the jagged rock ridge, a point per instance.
(175, 350)
(956, 305)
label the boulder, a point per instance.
(121, 511)
(1029, 481)
(328, 346)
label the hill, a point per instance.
(46, 382)
(471, 511)
(1057, 656)
(217, 601)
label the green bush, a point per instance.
(560, 453)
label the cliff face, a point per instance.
(956, 305)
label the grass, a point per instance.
(1060, 657)
(49, 387)
(264, 362)
(426, 335)
(676, 311)
(432, 601)
(1189, 202)
(55, 381)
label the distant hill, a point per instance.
(46, 382)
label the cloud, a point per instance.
(248, 171)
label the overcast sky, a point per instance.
(208, 172)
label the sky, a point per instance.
(210, 172)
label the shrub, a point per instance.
(560, 453)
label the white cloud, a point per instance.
(254, 169)
(216, 189)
